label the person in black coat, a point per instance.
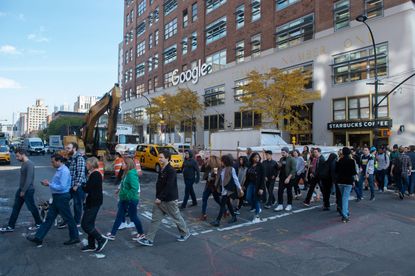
(191, 176)
(94, 199)
(255, 183)
(328, 180)
(271, 174)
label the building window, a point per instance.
(374, 8)
(358, 108)
(295, 32)
(140, 70)
(282, 4)
(185, 18)
(359, 64)
(150, 64)
(213, 4)
(194, 12)
(138, 113)
(256, 10)
(156, 37)
(247, 119)
(170, 29)
(341, 14)
(307, 71)
(239, 92)
(150, 41)
(214, 122)
(216, 30)
(156, 15)
(168, 79)
(194, 41)
(169, 6)
(141, 7)
(156, 83)
(215, 95)
(339, 109)
(240, 16)
(217, 60)
(184, 46)
(240, 51)
(383, 108)
(150, 85)
(141, 48)
(170, 54)
(256, 45)
(141, 28)
(139, 89)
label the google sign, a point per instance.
(192, 74)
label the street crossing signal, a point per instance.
(384, 132)
(293, 140)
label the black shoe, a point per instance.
(34, 240)
(372, 198)
(326, 208)
(72, 241)
(62, 225)
(401, 195)
(194, 204)
(215, 223)
(182, 207)
(87, 248)
(101, 244)
(345, 220)
(366, 188)
(232, 220)
(358, 199)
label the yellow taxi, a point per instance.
(5, 155)
(147, 154)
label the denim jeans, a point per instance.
(131, 205)
(345, 192)
(188, 191)
(88, 224)
(206, 194)
(380, 176)
(359, 187)
(412, 183)
(60, 205)
(252, 197)
(77, 200)
(28, 199)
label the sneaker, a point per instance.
(306, 204)
(237, 212)
(267, 206)
(62, 225)
(101, 245)
(6, 229)
(289, 207)
(345, 220)
(123, 225)
(139, 237)
(215, 223)
(279, 208)
(203, 218)
(80, 233)
(87, 248)
(256, 219)
(232, 220)
(260, 211)
(358, 199)
(372, 198)
(34, 228)
(109, 236)
(78, 225)
(34, 240)
(145, 242)
(183, 238)
(130, 225)
(385, 189)
(252, 210)
(72, 241)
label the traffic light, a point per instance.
(293, 140)
(384, 132)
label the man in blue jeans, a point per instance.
(76, 165)
(59, 186)
(25, 193)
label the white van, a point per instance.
(33, 146)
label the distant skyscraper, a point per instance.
(84, 103)
(36, 115)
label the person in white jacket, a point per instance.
(367, 170)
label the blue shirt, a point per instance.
(61, 181)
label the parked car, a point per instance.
(5, 155)
(148, 156)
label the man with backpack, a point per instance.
(367, 170)
(77, 169)
(401, 170)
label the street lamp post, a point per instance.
(149, 117)
(362, 19)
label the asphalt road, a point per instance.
(379, 239)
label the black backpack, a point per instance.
(324, 170)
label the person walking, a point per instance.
(241, 172)
(315, 167)
(367, 169)
(228, 185)
(255, 183)
(129, 195)
(401, 170)
(300, 172)
(211, 170)
(166, 202)
(24, 194)
(411, 155)
(382, 160)
(288, 167)
(76, 165)
(94, 199)
(191, 176)
(345, 171)
(327, 176)
(306, 156)
(59, 186)
(271, 174)
(118, 167)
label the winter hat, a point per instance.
(285, 149)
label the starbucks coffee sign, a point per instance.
(192, 74)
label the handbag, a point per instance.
(231, 186)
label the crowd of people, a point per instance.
(246, 181)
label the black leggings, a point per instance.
(225, 201)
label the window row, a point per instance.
(355, 108)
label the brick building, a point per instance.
(163, 38)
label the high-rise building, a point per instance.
(22, 123)
(84, 103)
(165, 41)
(36, 116)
